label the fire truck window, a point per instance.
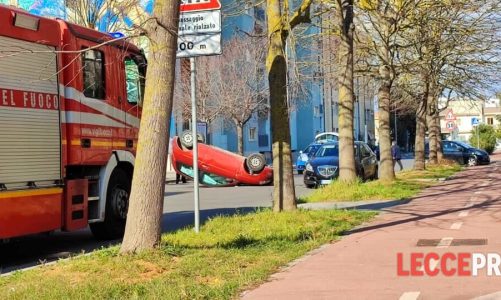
(133, 81)
(93, 73)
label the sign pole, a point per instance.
(195, 143)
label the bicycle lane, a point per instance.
(461, 215)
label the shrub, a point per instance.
(487, 135)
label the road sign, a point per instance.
(449, 116)
(199, 45)
(199, 5)
(475, 121)
(450, 125)
(200, 22)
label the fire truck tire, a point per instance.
(117, 203)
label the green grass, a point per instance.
(229, 255)
(407, 184)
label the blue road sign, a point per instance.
(475, 121)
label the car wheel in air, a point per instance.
(186, 139)
(256, 162)
(472, 161)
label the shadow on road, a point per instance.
(38, 249)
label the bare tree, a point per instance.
(104, 15)
(380, 23)
(231, 86)
(143, 226)
(280, 24)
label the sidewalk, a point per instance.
(363, 265)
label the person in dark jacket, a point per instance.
(397, 156)
(180, 177)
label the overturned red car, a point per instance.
(218, 167)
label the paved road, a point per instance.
(458, 216)
(178, 208)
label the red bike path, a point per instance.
(460, 215)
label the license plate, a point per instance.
(325, 181)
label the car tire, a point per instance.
(256, 162)
(186, 139)
(300, 172)
(472, 161)
(117, 203)
(310, 186)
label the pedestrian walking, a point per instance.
(397, 156)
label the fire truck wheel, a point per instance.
(117, 205)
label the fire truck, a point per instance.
(70, 105)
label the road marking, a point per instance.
(463, 214)
(410, 296)
(456, 226)
(479, 192)
(445, 242)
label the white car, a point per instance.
(327, 136)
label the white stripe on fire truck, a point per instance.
(101, 106)
(73, 117)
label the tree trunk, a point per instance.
(387, 172)
(148, 185)
(436, 120)
(240, 138)
(347, 171)
(419, 146)
(433, 132)
(433, 127)
(284, 196)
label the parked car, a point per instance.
(218, 167)
(305, 155)
(327, 137)
(323, 167)
(464, 153)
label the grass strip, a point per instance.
(230, 254)
(407, 185)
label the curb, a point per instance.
(359, 205)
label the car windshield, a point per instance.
(206, 178)
(328, 150)
(310, 150)
(467, 146)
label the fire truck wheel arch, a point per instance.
(117, 201)
(124, 158)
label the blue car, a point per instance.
(305, 155)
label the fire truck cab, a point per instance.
(70, 105)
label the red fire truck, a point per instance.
(70, 102)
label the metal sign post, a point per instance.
(199, 34)
(195, 143)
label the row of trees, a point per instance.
(416, 51)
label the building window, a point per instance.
(490, 121)
(252, 134)
(93, 74)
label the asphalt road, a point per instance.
(178, 208)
